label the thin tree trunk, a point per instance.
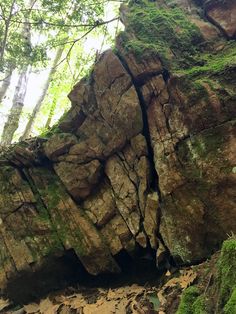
(38, 105)
(13, 119)
(5, 84)
(17, 105)
(6, 31)
(51, 113)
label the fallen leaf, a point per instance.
(187, 278)
(47, 307)
(4, 304)
(31, 308)
(77, 302)
(184, 280)
(168, 273)
(161, 298)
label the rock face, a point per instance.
(223, 15)
(144, 161)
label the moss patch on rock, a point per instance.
(166, 32)
(192, 302)
(230, 306)
(215, 289)
(214, 64)
(227, 273)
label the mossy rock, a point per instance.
(230, 306)
(227, 273)
(166, 32)
(191, 302)
(216, 64)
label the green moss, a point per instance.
(48, 133)
(230, 306)
(188, 298)
(195, 90)
(205, 146)
(166, 32)
(44, 215)
(227, 273)
(180, 250)
(199, 306)
(217, 63)
(191, 302)
(169, 33)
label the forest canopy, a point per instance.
(45, 48)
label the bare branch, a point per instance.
(73, 43)
(98, 23)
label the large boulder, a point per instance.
(142, 165)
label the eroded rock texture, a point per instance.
(144, 159)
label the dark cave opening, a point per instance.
(60, 272)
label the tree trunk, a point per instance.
(30, 123)
(18, 102)
(6, 31)
(51, 113)
(5, 84)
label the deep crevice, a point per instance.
(145, 132)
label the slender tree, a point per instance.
(50, 115)
(5, 84)
(13, 119)
(12, 122)
(7, 21)
(38, 105)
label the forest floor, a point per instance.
(160, 296)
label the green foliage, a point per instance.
(230, 306)
(17, 49)
(166, 32)
(52, 22)
(227, 273)
(56, 102)
(191, 302)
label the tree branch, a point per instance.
(73, 43)
(99, 23)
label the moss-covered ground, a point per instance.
(217, 295)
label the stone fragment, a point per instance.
(152, 218)
(117, 235)
(59, 144)
(142, 70)
(79, 180)
(101, 206)
(141, 239)
(14, 191)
